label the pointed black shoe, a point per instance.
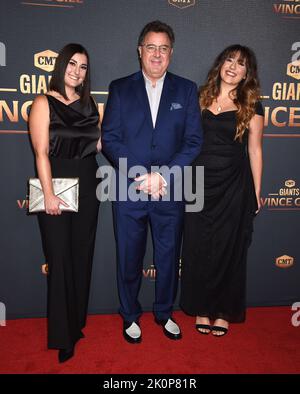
(170, 328)
(65, 354)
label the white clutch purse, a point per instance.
(65, 188)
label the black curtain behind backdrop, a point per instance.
(31, 34)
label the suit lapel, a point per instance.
(141, 93)
(164, 105)
(165, 99)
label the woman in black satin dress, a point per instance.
(66, 137)
(216, 240)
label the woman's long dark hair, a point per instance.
(57, 82)
(246, 94)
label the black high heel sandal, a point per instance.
(223, 330)
(203, 327)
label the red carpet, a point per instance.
(266, 343)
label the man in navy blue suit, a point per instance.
(152, 119)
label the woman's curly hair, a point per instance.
(245, 95)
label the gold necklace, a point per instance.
(227, 102)
(219, 106)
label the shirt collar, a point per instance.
(149, 82)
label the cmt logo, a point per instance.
(2, 54)
(296, 316)
(2, 314)
(293, 68)
(290, 183)
(182, 3)
(45, 60)
(284, 261)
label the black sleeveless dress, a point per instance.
(213, 280)
(68, 239)
(73, 129)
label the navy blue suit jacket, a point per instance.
(127, 129)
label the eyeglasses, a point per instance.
(151, 48)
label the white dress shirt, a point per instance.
(154, 94)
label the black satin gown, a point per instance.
(216, 240)
(68, 239)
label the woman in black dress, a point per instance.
(66, 137)
(216, 240)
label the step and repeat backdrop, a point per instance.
(31, 34)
